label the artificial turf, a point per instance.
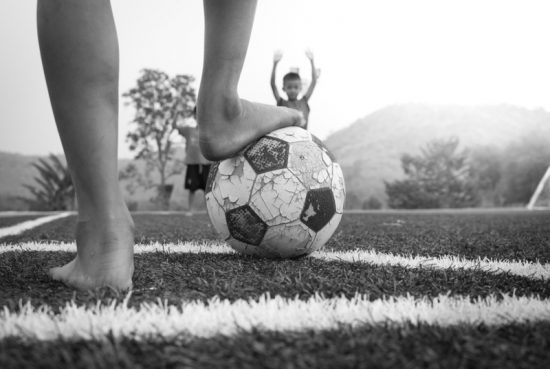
(380, 346)
(177, 277)
(149, 228)
(512, 235)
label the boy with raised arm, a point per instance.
(292, 86)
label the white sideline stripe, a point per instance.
(533, 270)
(16, 213)
(209, 247)
(222, 317)
(30, 224)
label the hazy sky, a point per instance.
(371, 53)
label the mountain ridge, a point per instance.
(370, 148)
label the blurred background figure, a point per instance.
(197, 165)
(292, 86)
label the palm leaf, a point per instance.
(53, 188)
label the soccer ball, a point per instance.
(281, 197)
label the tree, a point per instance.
(54, 189)
(132, 179)
(160, 103)
(486, 172)
(372, 203)
(352, 201)
(437, 178)
(409, 194)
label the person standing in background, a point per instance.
(197, 165)
(292, 86)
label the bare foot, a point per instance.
(105, 255)
(226, 128)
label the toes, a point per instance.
(63, 272)
(121, 287)
(55, 273)
(299, 121)
(293, 118)
(76, 279)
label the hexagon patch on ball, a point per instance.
(281, 197)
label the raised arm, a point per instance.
(314, 75)
(277, 56)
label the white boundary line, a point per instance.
(533, 270)
(16, 213)
(222, 317)
(30, 224)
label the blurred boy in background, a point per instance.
(198, 166)
(292, 86)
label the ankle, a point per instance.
(112, 208)
(225, 105)
(105, 214)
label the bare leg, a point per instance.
(79, 49)
(191, 202)
(227, 123)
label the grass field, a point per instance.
(443, 289)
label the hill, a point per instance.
(369, 150)
(15, 170)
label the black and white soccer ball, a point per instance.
(281, 197)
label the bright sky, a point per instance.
(371, 53)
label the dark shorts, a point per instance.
(196, 176)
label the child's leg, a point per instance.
(226, 122)
(79, 51)
(191, 202)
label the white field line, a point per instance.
(180, 248)
(15, 213)
(222, 317)
(533, 270)
(30, 224)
